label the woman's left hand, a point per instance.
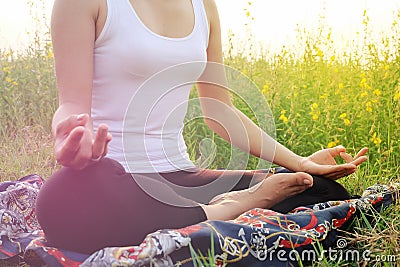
(323, 162)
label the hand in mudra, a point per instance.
(76, 146)
(323, 162)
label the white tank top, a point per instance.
(143, 105)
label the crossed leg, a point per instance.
(265, 194)
(102, 205)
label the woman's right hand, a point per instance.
(75, 144)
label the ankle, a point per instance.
(218, 212)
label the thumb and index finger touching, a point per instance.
(351, 163)
(66, 126)
(341, 151)
(72, 131)
(358, 159)
(68, 136)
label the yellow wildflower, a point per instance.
(320, 53)
(376, 139)
(324, 96)
(341, 85)
(50, 55)
(333, 143)
(346, 121)
(314, 106)
(283, 117)
(377, 92)
(363, 82)
(314, 111)
(386, 75)
(6, 69)
(265, 87)
(396, 96)
(368, 106)
(364, 94)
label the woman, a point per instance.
(105, 52)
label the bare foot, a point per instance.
(266, 194)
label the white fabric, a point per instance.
(144, 105)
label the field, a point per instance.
(319, 98)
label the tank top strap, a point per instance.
(201, 21)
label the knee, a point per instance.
(70, 202)
(68, 185)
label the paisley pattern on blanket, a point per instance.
(18, 223)
(258, 237)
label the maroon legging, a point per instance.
(104, 206)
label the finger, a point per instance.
(109, 138)
(361, 153)
(84, 153)
(338, 170)
(341, 168)
(339, 174)
(294, 190)
(348, 158)
(65, 126)
(359, 160)
(335, 151)
(100, 141)
(71, 145)
(300, 179)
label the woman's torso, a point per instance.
(142, 79)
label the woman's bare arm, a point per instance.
(73, 30)
(232, 125)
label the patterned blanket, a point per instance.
(256, 238)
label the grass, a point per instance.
(319, 98)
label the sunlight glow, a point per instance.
(274, 24)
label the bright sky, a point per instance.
(274, 21)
